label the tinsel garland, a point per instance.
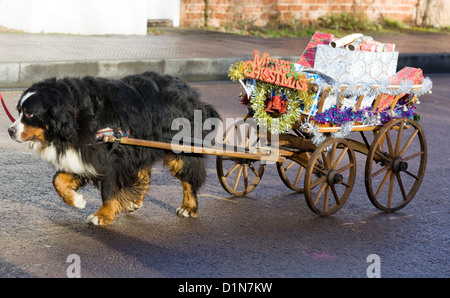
(338, 116)
(345, 119)
(236, 71)
(257, 100)
(263, 118)
(353, 88)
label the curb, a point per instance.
(24, 74)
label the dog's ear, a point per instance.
(63, 114)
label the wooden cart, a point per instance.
(396, 156)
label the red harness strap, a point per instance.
(6, 109)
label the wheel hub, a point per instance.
(333, 177)
(399, 165)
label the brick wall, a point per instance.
(231, 12)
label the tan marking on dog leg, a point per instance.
(106, 214)
(141, 188)
(66, 185)
(175, 164)
(189, 206)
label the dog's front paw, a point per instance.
(99, 220)
(187, 212)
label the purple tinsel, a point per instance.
(337, 116)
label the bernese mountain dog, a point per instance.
(60, 118)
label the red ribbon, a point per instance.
(6, 109)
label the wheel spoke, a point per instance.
(412, 175)
(253, 170)
(400, 184)
(333, 154)
(316, 167)
(389, 142)
(245, 177)
(399, 139)
(289, 166)
(319, 193)
(325, 160)
(232, 170)
(335, 194)
(236, 182)
(345, 184)
(299, 173)
(408, 142)
(345, 168)
(380, 187)
(325, 199)
(318, 181)
(391, 189)
(380, 154)
(414, 155)
(339, 159)
(373, 175)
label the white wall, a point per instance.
(164, 9)
(89, 17)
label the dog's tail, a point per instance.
(210, 112)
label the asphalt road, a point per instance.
(269, 233)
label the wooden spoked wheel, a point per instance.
(240, 176)
(292, 174)
(330, 176)
(396, 164)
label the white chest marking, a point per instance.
(69, 162)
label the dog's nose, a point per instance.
(11, 131)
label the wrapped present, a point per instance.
(308, 56)
(406, 74)
(355, 66)
(341, 42)
(376, 46)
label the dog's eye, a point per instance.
(29, 115)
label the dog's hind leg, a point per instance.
(134, 197)
(66, 185)
(126, 199)
(191, 172)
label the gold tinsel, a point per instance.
(236, 71)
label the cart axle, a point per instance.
(399, 165)
(333, 177)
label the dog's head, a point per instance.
(45, 114)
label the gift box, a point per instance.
(308, 56)
(355, 66)
(406, 74)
